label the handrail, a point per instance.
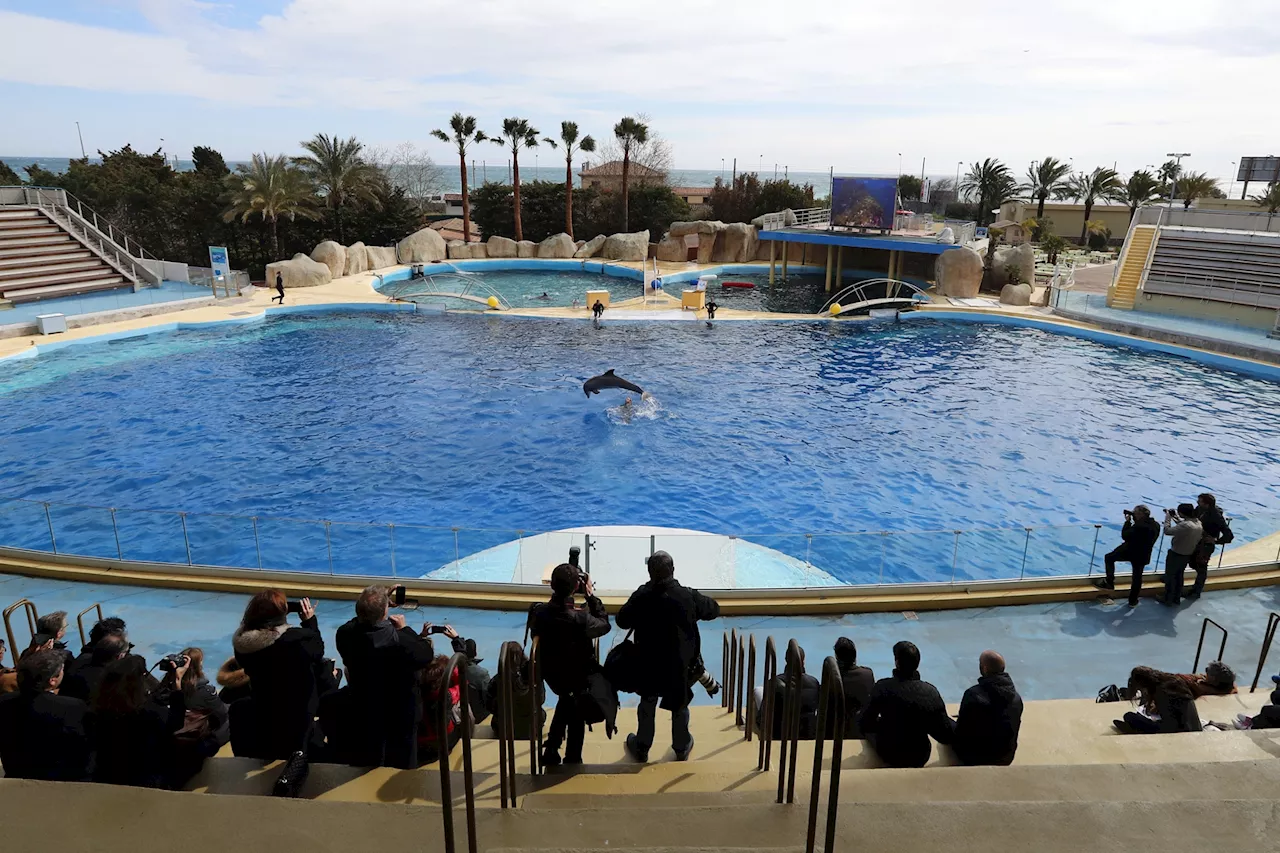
(84, 639)
(725, 665)
(751, 693)
(120, 257)
(766, 704)
(1273, 622)
(792, 676)
(857, 286)
(1204, 626)
(32, 618)
(738, 684)
(457, 663)
(507, 731)
(832, 691)
(535, 719)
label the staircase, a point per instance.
(1124, 292)
(40, 260)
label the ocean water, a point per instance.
(810, 438)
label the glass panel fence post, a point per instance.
(391, 530)
(457, 557)
(328, 546)
(1022, 573)
(1097, 531)
(955, 551)
(49, 518)
(257, 543)
(884, 544)
(116, 530)
(808, 549)
(185, 539)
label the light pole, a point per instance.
(83, 156)
(760, 165)
(1177, 169)
(1233, 179)
(722, 168)
(955, 188)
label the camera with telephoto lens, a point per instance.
(170, 663)
(574, 553)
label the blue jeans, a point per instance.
(681, 740)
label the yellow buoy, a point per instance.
(493, 302)
(836, 309)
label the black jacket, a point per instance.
(902, 712)
(287, 675)
(810, 693)
(44, 736)
(1213, 522)
(522, 699)
(1140, 538)
(137, 748)
(857, 682)
(665, 618)
(385, 707)
(986, 730)
(566, 654)
(1178, 713)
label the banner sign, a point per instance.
(219, 263)
(864, 202)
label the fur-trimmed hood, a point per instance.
(232, 675)
(246, 642)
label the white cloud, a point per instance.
(815, 82)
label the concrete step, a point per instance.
(38, 255)
(9, 285)
(19, 215)
(15, 231)
(49, 267)
(109, 282)
(34, 245)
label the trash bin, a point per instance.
(50, 324)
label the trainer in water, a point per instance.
(607, 380)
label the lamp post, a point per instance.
(1233, 179)
(1177, 169)
(955, 188)
(722, 168)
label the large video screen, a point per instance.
(864, 202)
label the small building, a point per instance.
(694, 195)
(1014, 234)
(607, 177)
(1067, 218)
(451, 229)
(453, 204)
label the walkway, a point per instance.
(1055, 651)
(105, 300)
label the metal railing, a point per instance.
(509, 657)
(1195, 217)
(457, 664)
(1273, 622)
(766, 704)
(750, 702)
(861, 290)
(84, 638)
(203, 277)
(1204, 626)
(32, 618)
(831, 717)
(788, 744)
(83, 223)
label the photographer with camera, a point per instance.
(1185, 533)
(567, 656)
(132, 725)
(1216, 531)
(381, 705)
(1139, 536)
(288, 674)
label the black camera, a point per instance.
(397, 595)
(170, 663)
(574, 553)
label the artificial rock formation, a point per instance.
(458, 250)
(557, 246)
(1015, 294)
(380, 257)
(591, 248)
(479, 251)
(333, 255)
(626, 247)
(422, 246)
(1023, 257)
(706, 231)
(672, 250)
(526, 249)
(301, 271)
(737, 244)
(958, 273)
(501, 247)
(357, 259)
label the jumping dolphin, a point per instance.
(608, 380)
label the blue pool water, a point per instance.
(525, 288)
(768, 430)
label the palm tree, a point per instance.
(517, 133)
(340, 174)
(270, 187)
(1270, 199)
(569, 136)
(1044, 179)
(464, 133)
(630, 133)
(1141, 188)
(992, 183)
(1089, 188)
(1194, 185)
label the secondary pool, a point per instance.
(786, 434)
(522, 288)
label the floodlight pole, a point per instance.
(1173, 190)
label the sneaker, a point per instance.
(1275, 679)
(1195, 593)
(634, 750)
(1243, 721)
(573, 761)
(1121, 726)
(550, 757)
(684, 756)
(1104, 584)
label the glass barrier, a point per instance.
(86, 531)
(24, 524)
(360, 549)
(224, 540)
(294, 545)
(152, 537)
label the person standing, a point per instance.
(1139, 535)
(597, 310)
(903, 711)
(1214, 530)
(382, 657)
(567, 656)
(665, 616)
(986, 730)
(1185, 533)
(279, 288)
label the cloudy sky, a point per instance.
(807, 83)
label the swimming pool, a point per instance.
(527, 288)
(789, 435)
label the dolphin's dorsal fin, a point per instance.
(609, 372)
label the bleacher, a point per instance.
(1076, 784)
(1236, 267)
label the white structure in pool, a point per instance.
(616, 558)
